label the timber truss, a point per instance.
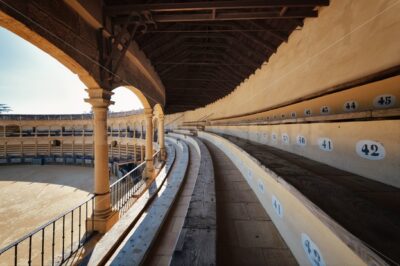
(201, 50)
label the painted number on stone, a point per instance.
(350, 106)
(301, 140)
(249, 174)
(325, 110)
(274, 137)
(385, 101)
(277, 206)
(293, 114)
(261, 186)
(307, 112)
(312, 251)
(264, 137)
(371, 150)
(285, 138)
(325, 144)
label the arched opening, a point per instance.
(125, 100)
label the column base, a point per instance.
(163, 154)
(148, 172)
(101, 223)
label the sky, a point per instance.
(33, 82)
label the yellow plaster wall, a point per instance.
(344, 136)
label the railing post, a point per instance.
(103, 218)
(149, 170)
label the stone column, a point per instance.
(161, 136)
(148, 112)
(104, 218)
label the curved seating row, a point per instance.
(197, 240)
(112, 240)
(136, 246)
(325, 215)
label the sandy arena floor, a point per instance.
(31, 195)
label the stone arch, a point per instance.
(82, 64)
(44, 44)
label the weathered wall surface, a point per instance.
(348, 40)
(342, 148)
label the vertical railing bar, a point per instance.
(53, 243)
(16, 255)
(43, 245)
(63, 238)
(30, 250)
(86, 218)
(119, 195)
(72, 231)
(79, 235)
(124, 202)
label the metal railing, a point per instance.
(128, 186)
(67, 232)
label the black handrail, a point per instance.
(52, 224)
(128, 185)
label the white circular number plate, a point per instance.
(301, 140)
(350, 106)
(384, 101)
(325, 110)
(370, 150)
(313, 253)
(285, 138)
(260, 186)
(325, 144)
(274, 137)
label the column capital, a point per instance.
(148, 112)
(161, 116)
(99, 98)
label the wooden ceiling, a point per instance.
(203, 50)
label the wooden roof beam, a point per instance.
(210, 5)
(290, 14)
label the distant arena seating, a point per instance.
(68, 139)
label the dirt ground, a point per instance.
(31, 195)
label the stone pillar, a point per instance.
(148, 112)
(161, 137)
(104, 218)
